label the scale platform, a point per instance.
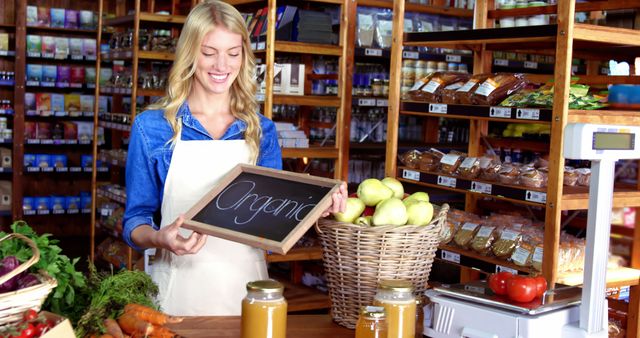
(473, 310)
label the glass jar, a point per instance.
(264, 311)
(371, 323)
(376, 87)
(385, 88)
(396, 296)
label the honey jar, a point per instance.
(264, 311)
(396, 296)
(371, 323)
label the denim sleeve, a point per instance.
(143, 187)
(270, 152)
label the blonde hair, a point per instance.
(202, 19)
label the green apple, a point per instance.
(354, 209)
(415, 197)
(371, 191)
(395, 185)
(420, 213)
(363, 220)
(391, 211)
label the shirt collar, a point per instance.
(238, 126)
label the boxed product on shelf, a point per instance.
(85, 19)
(5, 195)
(63, 76)
(48, 46)
(5, 158)
(86, 103)
(86, 161)
(57, 17)
(28, 203)
(77, 76)
(57, 104)
(293, 78)
(72, 104)
(42, 203)
(34, 74)
(4, 41)
(76, 48)
(85, 201)
(44, 17)
(90, 77)
(43, 130)
(70, 130)
(30, 104)
(103, 104)
(72, 202)
(60, 160)
(71, 19)
(85, 131)
(43, 104)
(32, 16)
(58, 203)
(89, 47)
(61, 47)
(49, 75)
(34, 45)
(44, 161)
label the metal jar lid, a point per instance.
(265, 286)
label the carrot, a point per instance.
(161, 332)
(106, 336)
(113, 328)
(130, 324)
(150, 315)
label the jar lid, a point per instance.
(372, 311)
(399, 285)
(265, 286)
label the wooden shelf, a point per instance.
(553, 9)
(623, 117)
(146, 17)
(297, 254)
(474, 112)
(606, 35)
(311, 152)
(303, 298)
(417, 8)
(577, 198)
(518, 143)
(6, 25)
(62, 30)
(472, 259)
(142, 54)
(305, 48)
(307, 100)
(616, 277)
(243, 2)
(150, 92)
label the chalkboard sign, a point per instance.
(262, 207)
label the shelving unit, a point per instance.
(567, 40)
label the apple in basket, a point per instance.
(354, 209)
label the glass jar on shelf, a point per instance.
(399, 302)
(264, 310)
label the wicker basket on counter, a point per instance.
(13, 304)
(355, 258)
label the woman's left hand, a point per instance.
(339, 199)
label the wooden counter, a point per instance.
(298, 326)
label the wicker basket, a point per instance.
(14, 303)
(356, 258)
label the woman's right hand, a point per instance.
(169, 238)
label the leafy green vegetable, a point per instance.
(67, 298)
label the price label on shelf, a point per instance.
(528, 114)
(450, 256)
(530, 65)
(536, 196)
(437, 108)
(501, 62)
(367, 102)
(77, 57)
(373, 52)
(411, 175)
(410, 55)
(483, 188)
(500, 268)
(447, 181)
(574, 68)
(382, 103)
(500, 112)
(453, 58)
(48, 55)
(33, 54)
(262, 45)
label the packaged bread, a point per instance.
(570, 176)
(536, 257)
(414, 93)
(507, 241)
(450, 162)
(469, 168)
(481, 242)
(496, 88)
(448, 229)
(430, 160)
(448, 94)
(465, 234)
(509, 174)
(489, 168)
(532, 177)
(464, 93)
(521, 256)
(584, 176)
(411, 159)
(432, 90)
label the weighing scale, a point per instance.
(472, 311)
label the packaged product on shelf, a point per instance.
(5, 157)
(463, 94)
(365, 29)
(85, 200)
(34, 45)
(430, 160)
(43, 130)
(432, 90)
(570, 176)
(57, 104)
(86, 20)
(34, 74)
(506, 242)
(584, 176)
(522, 254)
(490, 168)
(384, 27)
(536, 258)
(75, 48)
(448, 229)
(48, 45)
(483, 239)
(5, 195)
(465, 234)
(57, 17)
(49, 75)
(532, 177)
(103, 104)
(411, 158)
(89, 48)
(59, 160)
(44, 17)
(72, 104)
(86, 161)
(86, 103)
(509, 173)
(30, 130)
(4, 41)
(43, 203)
(32, 16)
(469, 168)
(77, 76)
(496, 88)
(85, 131)
(44, 161)
(28, 203)
(57, 202)
(43, 104)
(61, 47)
(72, 202)
(70, 130)
(450, 162)
(71, 19)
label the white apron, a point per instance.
(213, 281)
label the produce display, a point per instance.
(517, 288)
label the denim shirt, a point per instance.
(149, 157)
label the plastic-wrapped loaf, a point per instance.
(450, 162)
(509, 173)
(430, 160)
(496, 88)
(507, 241)
(448, 94)
(465, 234)
(584, 176)
(521, 256)
(489, 168)
(463, 94)
(469, 168)
(411, 158)
(532, 177)
(431, 91)
(483, 239)
(570, 176)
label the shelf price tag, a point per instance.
(262, 45)
(501, 62)
(453, 58)
(530, 65)
(411, 175)
(437, 108)
(574, 68)
(536, 196)
(367, 102)
(450, 256)
(483, 188)
(500, 268)
(500, 112)
(33, 54)
(382, 103)
(447, 181)
(373, 52)
(410, 55)
(528, 114)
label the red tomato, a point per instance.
(541, 285)
(498, 282)
(41, 328)
(30, 315)
(28, 332)
(521, 289)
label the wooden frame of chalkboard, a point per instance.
(262, 207)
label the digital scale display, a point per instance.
(613, 141)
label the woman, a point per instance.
(179, 149)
